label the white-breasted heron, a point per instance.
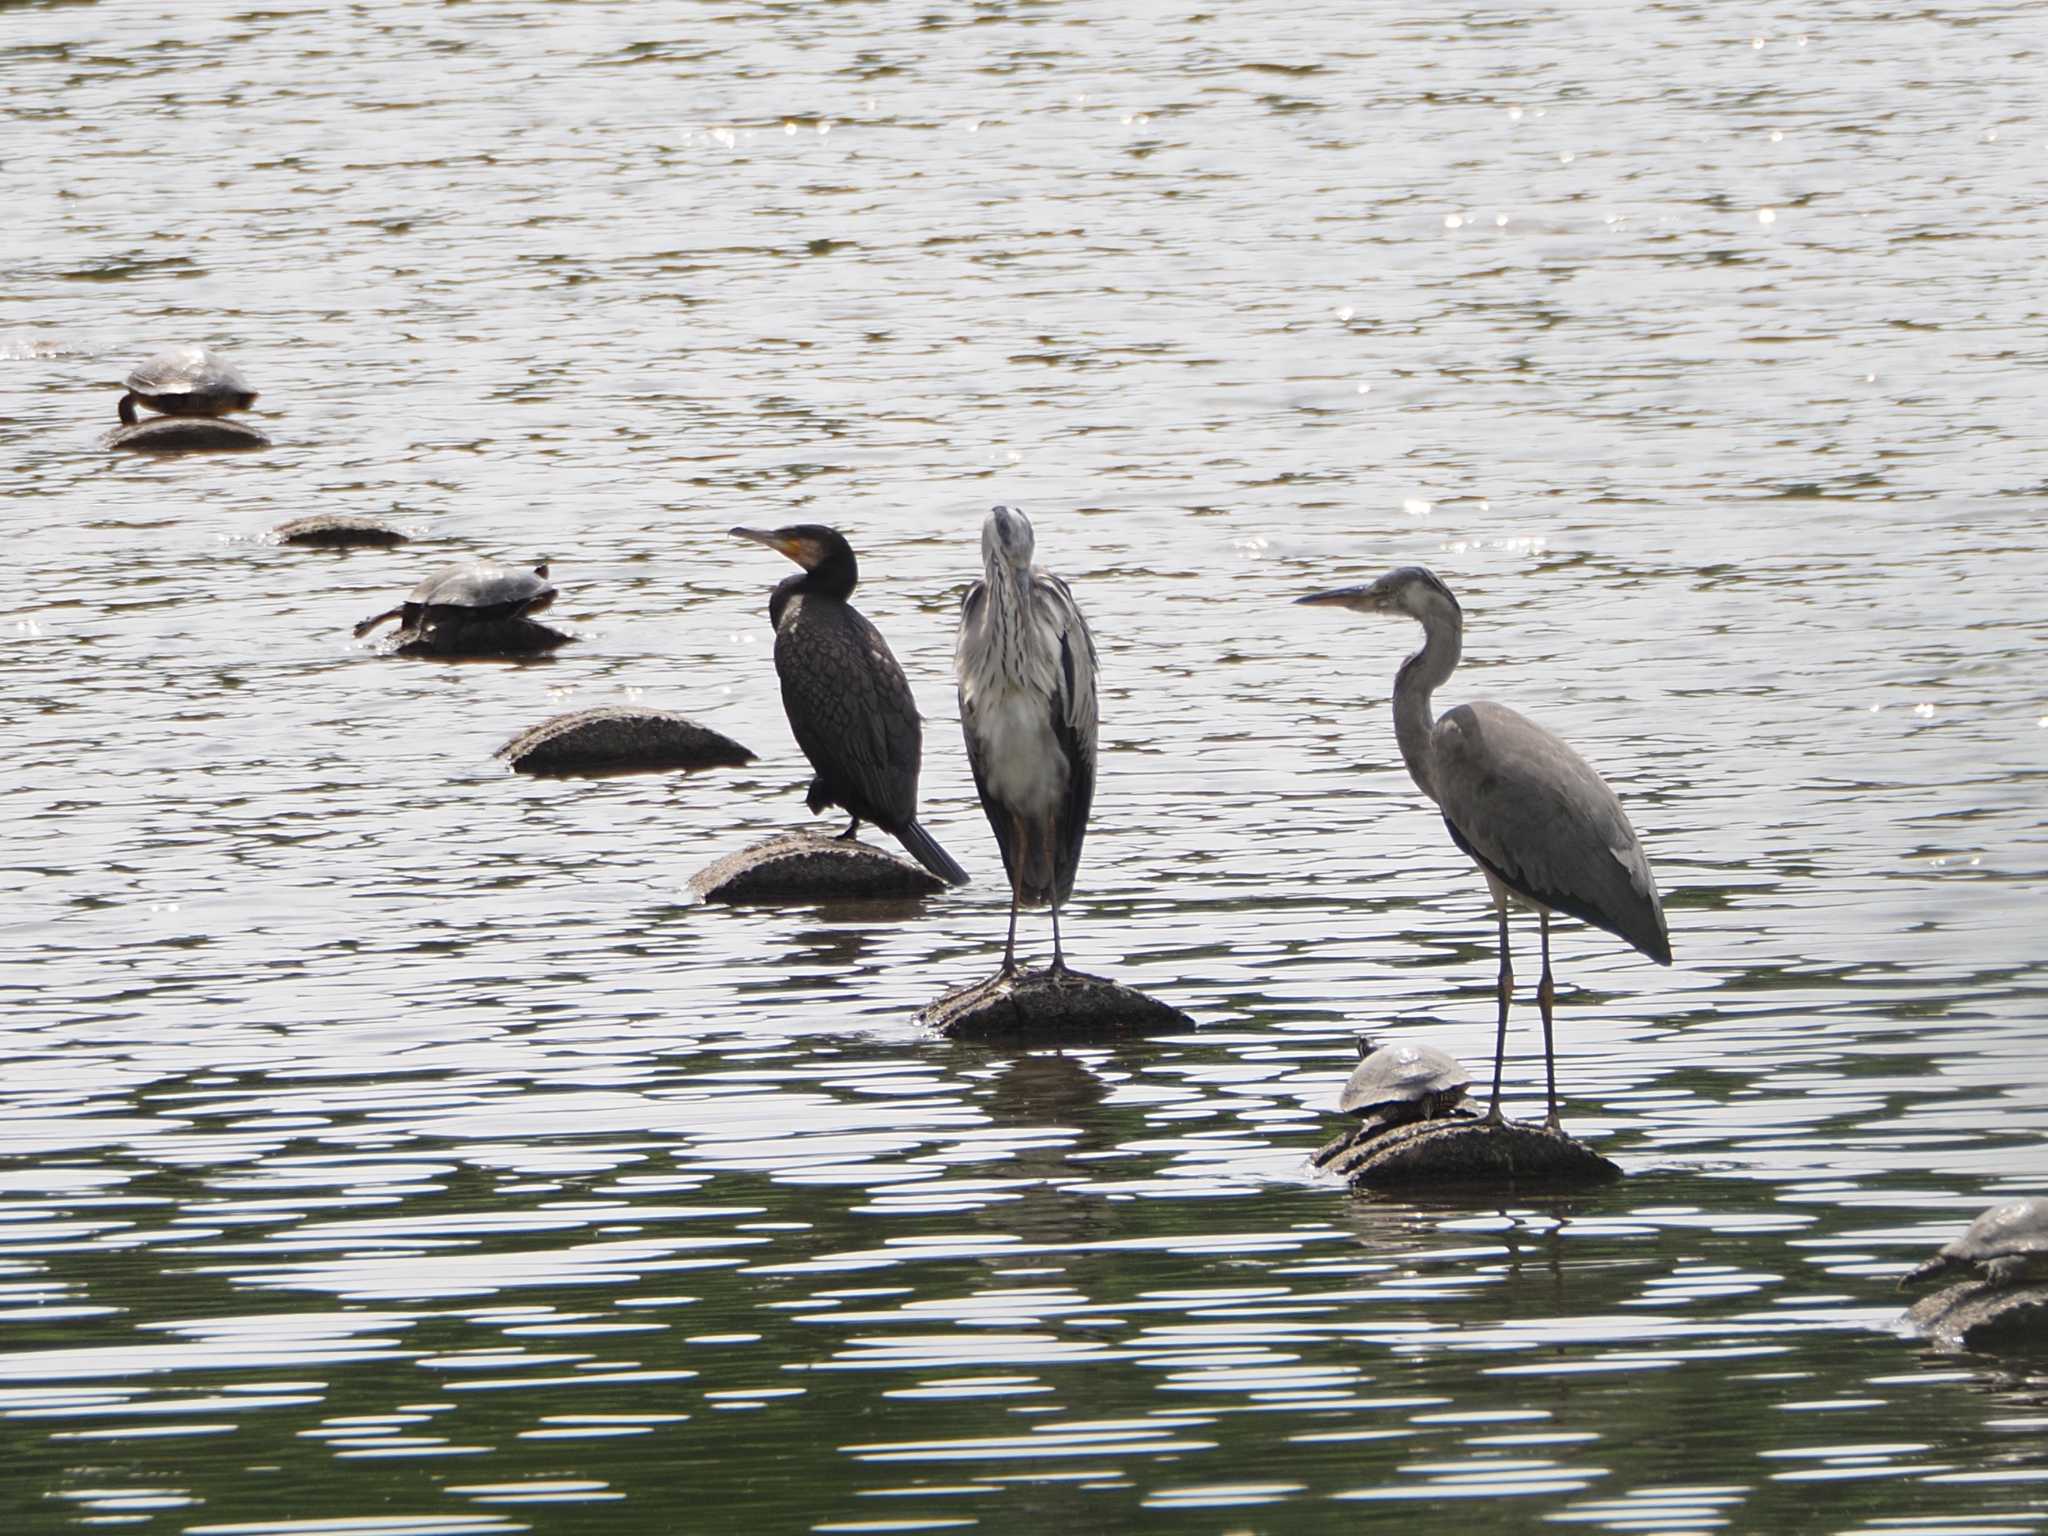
(1026, 665)
(1543, 827)
(848, 703)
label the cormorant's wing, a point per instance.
(851, 710)
(1532, 812)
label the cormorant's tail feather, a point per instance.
(925, 849)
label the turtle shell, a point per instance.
(191, 381)
(483, 590)
(1417, 1077)
(2010, 1230)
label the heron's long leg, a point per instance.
(1010, 944)
(1500, 1039)
(852, 827)
(1058, 961)
(1546, 995)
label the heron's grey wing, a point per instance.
(1534, 813)
(973, 616)
(1073, 724)
(851, 710)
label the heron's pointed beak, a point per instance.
(1340, 597)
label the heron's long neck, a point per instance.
(1010, 626)
(1420, 676)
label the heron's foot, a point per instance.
(848, 834)
(1552, 1124)
(1493, 1114)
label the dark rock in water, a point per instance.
(812, 866)
(1050, 1007)
(1980, 1315)
(186, 434)
(617, 739)
(336, 530)
(1468, 1151)
(482, 637)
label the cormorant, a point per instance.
(846, 698)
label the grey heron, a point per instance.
(1026, 665)
(848, 703)
(1543, 827)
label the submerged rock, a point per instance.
(1046, 1007)
(337, 530)
(1463, 1149)
(618, 739)
(812, 866)
(186, 434)
(481, 637)
(1980, 1315)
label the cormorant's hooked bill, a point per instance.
(805, 545)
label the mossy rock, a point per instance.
(1468, 1152)
(1048, 1007)
(186, 434)
(1982, 1316)
(337, 530)
(616, 738)
(478, 637)
(812, 866)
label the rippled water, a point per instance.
(387, 1146)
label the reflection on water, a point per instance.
(388, 1145)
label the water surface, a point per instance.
(386, 1143)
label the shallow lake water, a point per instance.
(389, 1145)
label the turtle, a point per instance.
(477, 593)
(1397, 1085)
(2006, 1245)
(187, 381)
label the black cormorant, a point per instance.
(847, 701)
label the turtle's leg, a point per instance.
(1507, 987)
(127, 409)
(2010, 1270)
(1546, 997)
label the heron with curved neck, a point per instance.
(1543, 827)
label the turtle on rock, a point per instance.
(186, 381)
(479, 609)
(2007, 1245)
(1397, 1085)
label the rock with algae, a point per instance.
(186, 434)
(1462, 1149)
(337, 530)
(812, 866)
(616, 738)
(1981, 1315)
(1046, 1007)
(478, 637)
